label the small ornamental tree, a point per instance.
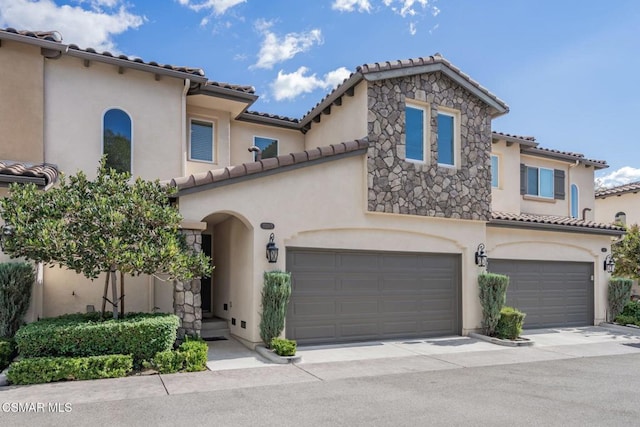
(626, 253)
(102, 226)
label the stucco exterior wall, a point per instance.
(242, 134)
(506, 197)
(347, 122)
(21, 109)
(428, 188)
(607, 208)
(523, 244)
(77, 98)
(333, 215)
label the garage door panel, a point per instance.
(551, 293)
(372, 295)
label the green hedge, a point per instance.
(7, 352)
(493, 293)
(510, 323)
(630, 314)
(618, 294)
(191, 356)
(16, 281)
(140, 334)
(283, 347)
(48, 369)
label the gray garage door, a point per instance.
(358, 295)
(551, 293)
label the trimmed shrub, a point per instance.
(194, 351)
(493, 293)
(625, 320)
(283, 347)
(618, 294)
(167, 362)
(140, 334)
(16, 281)
(7, 352)
(630, 314)
(510, 323)
(275, 297)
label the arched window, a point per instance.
(621, 218)
(575, 208)
(116, 142)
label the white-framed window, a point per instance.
(448, 137)
(575, 201)
(495, 171)
(201, 140)
(539, 182)
(268, 146)
(416, 147)
(117, 139)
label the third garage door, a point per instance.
(551, 293)
(341, 295)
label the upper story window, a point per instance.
(495, 171)
(542, 182)
(116, 139)
(201, 141)
(416, 132)
(574, 201)
(447, 138)
(621, 218)
(268, 146)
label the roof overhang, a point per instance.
(512, 139)
(266, 120)
(553, 227)
(565, 157)
(331, 98)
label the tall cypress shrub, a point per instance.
(493, 294)
(618, 294)
(275, 297)
(16, 280)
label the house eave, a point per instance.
(563, 157)
(45, 44)
(331, 98)
(270, 121)
(553, 227)
(225, 93)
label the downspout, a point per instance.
(187, 85)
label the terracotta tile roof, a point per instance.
(239, 88)
(43, 174)
(565, 155)
(271, 165)
(52, 36)
(508, 135)
(553, 221)
(273, 116)
(632, 187)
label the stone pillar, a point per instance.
(187, 301)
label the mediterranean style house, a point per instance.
(385, 200)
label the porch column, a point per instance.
(187, 301)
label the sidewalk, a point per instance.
(234, 367)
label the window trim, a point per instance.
(426, 147)
(552, 197)
(104, 112)
(214, 126)
(266, 137)
(577, 202)
(455, 114)
(498, 159)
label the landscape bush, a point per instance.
(275, 297)
(48, 369)
(283, 347)
(630, 314)
(7, 352)
(191, 356)
(142, 335)
(510, 323)
(493, 293)
(166, 362)
(618, 294)
(16, 281)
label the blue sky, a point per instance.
(567, 69)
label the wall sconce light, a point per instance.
(272, 250)
(7, 231)
(481, 256)
(609, 264)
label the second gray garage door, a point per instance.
(551, 293)
(343, 295)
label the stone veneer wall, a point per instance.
(398, 186)
(187, 300)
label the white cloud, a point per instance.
(218, 7)
(350, 5)
(277, 49)
(86, 28)
(621, 176)
(412, 28)
(290, 85)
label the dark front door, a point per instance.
(206, 281)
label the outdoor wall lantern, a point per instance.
(7, 231)
(609, 264)
(272, 250)
(481, 256)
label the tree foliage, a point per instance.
(103, 225)
(626, 253)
